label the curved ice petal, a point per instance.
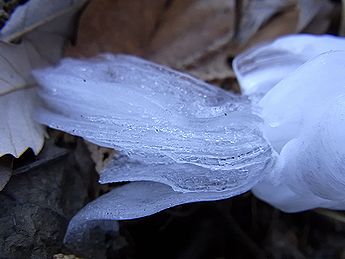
(81, 230)
(133, 200)
(158, 117)
(136, 200)
(260, 68)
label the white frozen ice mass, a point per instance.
(182, 140)
(170, 127)
(307, 129)
(304, 118)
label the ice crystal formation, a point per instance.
(182, 140)
(170, 128)
(304, 118)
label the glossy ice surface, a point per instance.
(180, 140)
(301, 80)
(305, 119)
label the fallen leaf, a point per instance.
(283, 24)
(254, 13)
(216, 67)
(190, 29)
(316, 14)
(292, 17)
(178, 34)
(192, 35)
(308, 10)
(116, 26)
(36, 206)
(44, 34)
(100, 155)
(35, 14)
(18, 130)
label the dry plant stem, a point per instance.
(337, 216)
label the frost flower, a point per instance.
(182, 140)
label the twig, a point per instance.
(337, 216)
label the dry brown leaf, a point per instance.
(255, 13)
(100, 155)
(285, 23)
(192, 35)
(124, 26)
(195, 36)
(311, 16)
(190, 29)
(322, 14)
(177, 34)
(214, 67)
